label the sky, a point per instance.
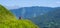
(13, 4)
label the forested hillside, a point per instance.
(50, 19)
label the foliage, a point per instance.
(8, 20)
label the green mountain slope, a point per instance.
(8, 20)
(5, 14)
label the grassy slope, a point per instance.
(8, 20)
(5, 14)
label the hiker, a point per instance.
(19, 17)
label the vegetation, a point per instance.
(50, 19)
(8, 20)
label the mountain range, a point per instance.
(42, 16)
(28, 12)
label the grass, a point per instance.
(8, 20)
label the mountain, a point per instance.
(5, 14)
(44, 17)
(29, 12)
(8, 20)
(51, 18)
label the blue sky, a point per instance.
(12, 4)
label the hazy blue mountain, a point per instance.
(52, 18)
(29, 12)
(42, 16)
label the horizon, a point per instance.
(34, 6)
(14, 4)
